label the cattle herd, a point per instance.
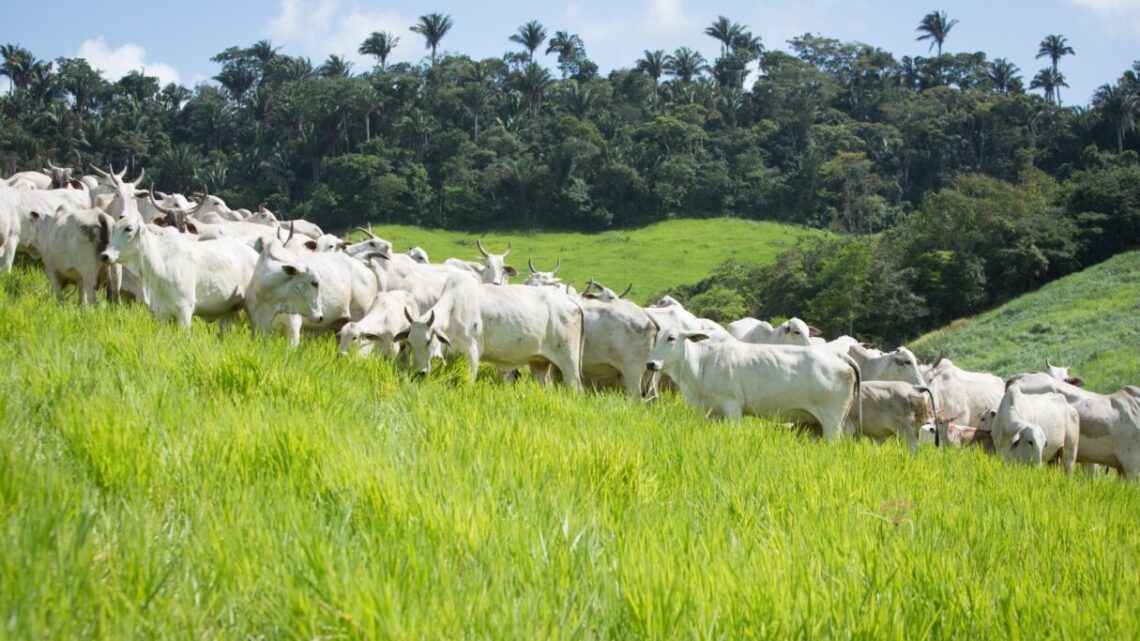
(194, 256)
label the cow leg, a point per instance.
(90, 292)
(114, 284)
(56, 285)
(731, 409)
(9, 253)
(473, 362)
(293, 329)
(183, 314)
(831, 421)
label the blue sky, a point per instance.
(176, 40)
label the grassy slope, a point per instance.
(1090, 319)
(160, 484)
(652, 258)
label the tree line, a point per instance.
(836, 135)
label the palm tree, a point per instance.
(237, 80)
(18, 65)
(1055, 47)
(531, 36)
(1050, 81)
(433, 27)
(726, 31)
(935, 27)
(335, 67)
(1003, 74)
(1118, 106)
(652, 65)
(380, 44)
(568, 46)
(477, 88)
(534, 81)
(685, 64)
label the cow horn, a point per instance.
(278, 232)
(557, 267)
(261, 208)
(479, 244)
(408, 315)
(367, 231)
(142, 175)
(431, 318)
(150, 196)
(941, 355)
(51, 166)
(508, 252)
(530, 264)
(78, 158)
(622, 295)
(122, 174)
(1047, 363)
(589, 285)
(291, 232)
(99, 171)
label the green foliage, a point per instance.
(157, 483)
(1089, 320)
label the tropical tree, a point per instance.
(685, 64)
(380, 45)
(1003, 74)
(533, 82)
(725, 31)
(935, 27)
(18, 65)
(335, 67)
(1055, 47)
(569, 48)
(531, 36)
(652, 64)
(1049, 81)
(1117, 105)
(433, 27)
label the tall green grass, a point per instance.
(651, 258)
(1090, 320)
(156, 483)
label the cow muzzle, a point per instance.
(653, 366)
(106, 258)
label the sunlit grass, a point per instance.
(156, 483)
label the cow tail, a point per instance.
(858, 388)
(581, 341)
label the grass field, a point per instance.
(1090, 319)
(162, 484)
(652, 258)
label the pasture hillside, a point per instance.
(1090, 319)
(652, 258)
(156, 483)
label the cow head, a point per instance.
(61, 177)
(123, 239)
(292, 286)
(1062, 374)
(1028, 445)
(794, 332)
(900, 365)
(419, 255)
(495, 270)
(123, 192)
(543, 279)
(372, 247)
(667, 301)
(670, 348)
(262, 217)
(208, 204)
(422, 335)
(598, 291)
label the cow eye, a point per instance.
(314, 284)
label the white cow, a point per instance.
(892, 409)
(899, 365)
(597, 291)
(791, 332)
(508, 325)
(731, 378)
(963, 396)
(738, 329)
(182, 277)
(389, 315)
(70, 244)
(32, 179)
(491, 268)
(281, 288)
(619, 338)
(1057, 428)
(1062, 373)
(420, 255)
(18, 228)
(1109, 423)
(543, 279)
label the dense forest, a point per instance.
(954, 183)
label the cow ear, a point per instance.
(290, 269)
(311, 245)
(36, 215)
(192, 228)
(442, 338)
(697, 337)
(1079, 382)
(142, 193)
(75, 184)
(510, 271)
(371, 336)
(401, 337)
(259, 245)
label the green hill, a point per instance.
(1090, 320)
(652, 258)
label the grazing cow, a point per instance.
(31, 179)
(667, 301)
(962, 394)
(1062, 374)
(791, 332)
(1109, 423)
(738, 329)
(619, 338)
(18, 229)
(943, 431)
(182, 277)
(70, 244)
(282, 289)
(899, 365)
(730, 378)
(379, 326)
(1058, 424)
(892, 408)
(508, 325)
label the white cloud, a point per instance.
(115, 63)
(1120, 17)
(323, 27)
